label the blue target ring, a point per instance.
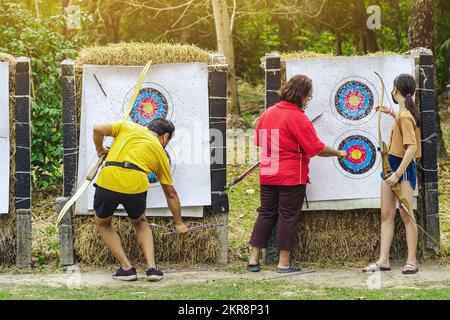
(354, 100)
(361, 154)
(149, 105)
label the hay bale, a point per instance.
(351, 236)
(8, 222)
(91, 249)
(138, 54)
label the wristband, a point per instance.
(396, 175)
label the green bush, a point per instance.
(43, 40)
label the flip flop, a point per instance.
(291, 268)
(407, 270)
(374, 267)
(253, 267)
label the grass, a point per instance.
(224, 289)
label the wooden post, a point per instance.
(218, 73)
(70, 158)
(428, 165)
(272, 78)
(273, 74)
(22, 193)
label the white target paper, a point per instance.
(183, 89)
(346, 92)
(4, 137)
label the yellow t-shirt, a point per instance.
(135, 144)
(404, 132)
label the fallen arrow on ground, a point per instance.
(288, 275)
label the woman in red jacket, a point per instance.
(288, 140)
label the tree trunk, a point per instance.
(372, 43)
(420, 34)
(338, 44)
(225, 46)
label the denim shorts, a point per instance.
(410, 172)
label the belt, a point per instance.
(126, 165)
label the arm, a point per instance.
(100, 132)
(312, 145)
(174, 205)
(331, 152)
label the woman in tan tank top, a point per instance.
(404, 148)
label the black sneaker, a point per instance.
(125, 275)
(154, 274)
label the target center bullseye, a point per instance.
(356, 154)
(147, 107)
(354, 101)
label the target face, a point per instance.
(152, 102)
(362, 159)
(353, 100)
(152, 177)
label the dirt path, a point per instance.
(429, 276)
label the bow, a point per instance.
(93, 171)
(387, 170)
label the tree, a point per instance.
(421, 34)
(225, 46)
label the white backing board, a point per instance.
(184, 89)
(4, 137)
(333, 79)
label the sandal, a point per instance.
(253, 267)
(291, 268)
(410, 269)
(374, 267)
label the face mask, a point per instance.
(393, 99)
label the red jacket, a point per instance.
(288, 140)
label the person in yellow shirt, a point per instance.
(404, 148)
(136, 152)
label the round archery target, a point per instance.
(152, 177)
(152, 102)
(362, 158)
(353, 100)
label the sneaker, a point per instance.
(154, 274)
(125, 275)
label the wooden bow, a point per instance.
(94, 170)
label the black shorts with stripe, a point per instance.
(107, 201)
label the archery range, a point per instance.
(342, 222)
(95, 89)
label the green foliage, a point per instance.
(443, 44)
(42, 39)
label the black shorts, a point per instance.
(107, 201)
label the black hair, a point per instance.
(406, 84)
(162, 126)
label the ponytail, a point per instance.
(411, 106)
(406, 84)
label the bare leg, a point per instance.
(410, 224)
(112, 240)
(254, 256)
(284, 259)
(145, 239)
(388, 209)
